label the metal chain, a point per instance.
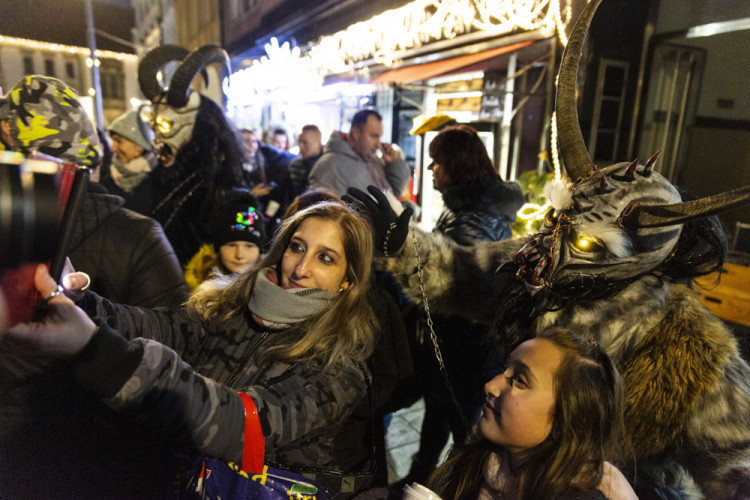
(172, 193)
(391, 227)
(433, 335)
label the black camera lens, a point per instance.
(29, 215)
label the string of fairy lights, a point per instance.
(67, 49)
(384, 36)
(531, 212)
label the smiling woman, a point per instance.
(288, 336)
(315, 257)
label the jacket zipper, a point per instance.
(245, 358)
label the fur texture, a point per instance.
(688, 390)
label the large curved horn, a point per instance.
(150, 65)
(638, 216)
(179, 87)
(575, 156)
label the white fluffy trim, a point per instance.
(611, 236)
(559, 193)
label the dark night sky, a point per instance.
(64, 21)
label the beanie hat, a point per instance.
(46, 116)
(239, 220)
(130, 126)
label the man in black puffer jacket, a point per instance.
(57, 441)
(128, 257)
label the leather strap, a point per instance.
(254, 443)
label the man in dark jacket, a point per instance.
(267, 175)
(140, 269)
(310, 150)
(57, 441)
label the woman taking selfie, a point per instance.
(287, 336)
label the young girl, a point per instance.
(287, 339)
(238, 241)
(549, 422)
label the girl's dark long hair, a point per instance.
(587, 429)
(460, 476)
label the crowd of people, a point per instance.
(212, 270)
(260, 298)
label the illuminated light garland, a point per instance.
(283, 72)
(537, 211)
(561, 21)
(70, 49)
(531, 212)
(553, 147)
(382, 37)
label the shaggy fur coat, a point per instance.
(688, 390)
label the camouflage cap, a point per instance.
(47, 117)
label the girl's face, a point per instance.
(520, 402)
(238, 256)
(315, 257)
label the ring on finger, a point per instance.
(54, 294)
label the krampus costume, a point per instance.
(199, 151)
(609, 262)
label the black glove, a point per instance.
(390, 230)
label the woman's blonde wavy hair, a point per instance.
(343, 330)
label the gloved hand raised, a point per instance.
(390, 229)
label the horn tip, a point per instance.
(649, 167)
(605, 186)
(630, 171)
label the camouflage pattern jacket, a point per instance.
(185, 379)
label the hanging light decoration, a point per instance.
(68, 49)
(282, 72)
(531, 212)
(384, 36)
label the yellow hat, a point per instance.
(423, 124)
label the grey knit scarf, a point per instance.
(127, 176)
(278, 308)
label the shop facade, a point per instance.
(488, 64)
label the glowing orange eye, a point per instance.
(586, 244)
(164, 125)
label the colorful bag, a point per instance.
(222, 480)
(211, 478)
